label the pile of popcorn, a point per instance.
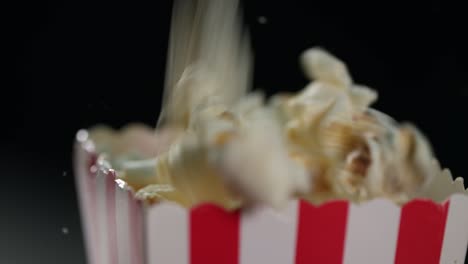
(217, 142)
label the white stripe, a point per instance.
(267, 236)
(123, 225)
(139, 237)
(81, 178)
(456, 231)
(372, 232)
(101, 213)
(167, 234)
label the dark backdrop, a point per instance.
(81, 63)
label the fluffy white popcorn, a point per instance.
(332, 89)
(256, 162)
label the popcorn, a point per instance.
(256, 163)
(215, 142)
(404, 169)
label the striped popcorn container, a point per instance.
(118, 229)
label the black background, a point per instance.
(77, 64)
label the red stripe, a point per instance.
(92, 159)
(91, 184)
(111, 217)
(214, 235)
(321, 232)
(91, 187)
(421, 233)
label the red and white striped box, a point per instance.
(118, 229)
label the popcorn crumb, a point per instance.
(262, 20)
